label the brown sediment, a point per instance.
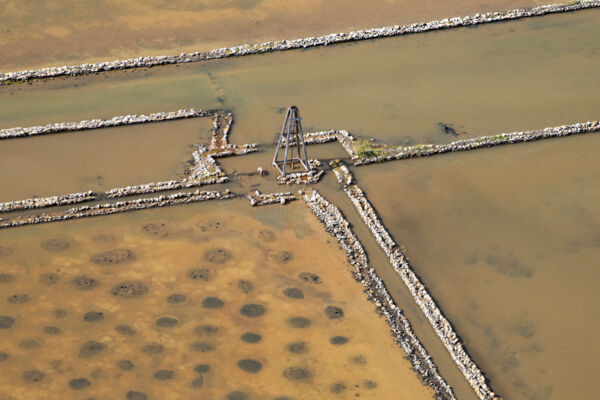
(18, 299)
(93, 316)
(125, 365)
(252, 310)
(282, 257)
(59, 313)
(6, 277)
(245, 286)
(309, 277)
(91, 348)
(210, 226)
(6, 251)
(159, 230)
(266, 235)
(55, 244)
(113, 257)
(126, 330)
(30, 344)
(84, 282)
(130, 289)
(202, 274)
(299, 322)
(49, 278)
(166, 322)
(217, 256)
(337, 387)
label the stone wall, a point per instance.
(258, 199)
(41, 202)
(338, 227)
(245, 49)
(117, 207)
(434, 315)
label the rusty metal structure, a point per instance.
(292, 139)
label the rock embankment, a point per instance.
(42, 202)
(303, 177)
(246, 49)
(62, 127)
(338, 227)
(118, 207)
(258, 199)
(424, 150)
(436, 318)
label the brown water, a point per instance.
(261, 254)
(99, 159)
(35, 34)
(507, 240)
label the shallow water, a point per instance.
(507, 240)
(200, 329)
(35, 34)
(99, 159)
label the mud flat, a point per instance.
(242, 50)
(432, 312)
(194, 302)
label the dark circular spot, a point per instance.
(237, 395)
(30, 344)
(133, 395)
(309, 277)
(51, 330)
(93, 316)
(112, 257)
(212, 302)
(55, 244)
(210, 226)
(3, 356)
(153, 348)
(125, 365)
(49, 278)
(104, 237)
(98, 373)
(217, 256)
(166, 322)
(59, 313)
(337, 387)
(299, 322)
(209, 330)
(125, 329)
(202, 368)
(297, 374)
(368, 384)
(33, 375)
(248, 365)
(176, 298)
(334, 312)
(6, 277)
(266, 235)
(199, 274)
(79, 383)
(198, 382)
(338, 340)
(202, 347)
(18, 299)
(358, 359)
(283, 398)
(250, 337)
(293, 293)
(6, 251)
(6, 321)
(245, 286)
(84, 282)
(297, 347)
(129, 289)
(282, 257)
(252, 310)
(159, 230)
(91, 348)
(164, 375)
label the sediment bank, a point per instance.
(248, 49)
(434, 315)
(113, 208)
(42, 202)
(258, 199)
(337, 226)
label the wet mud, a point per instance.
(113, 257)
